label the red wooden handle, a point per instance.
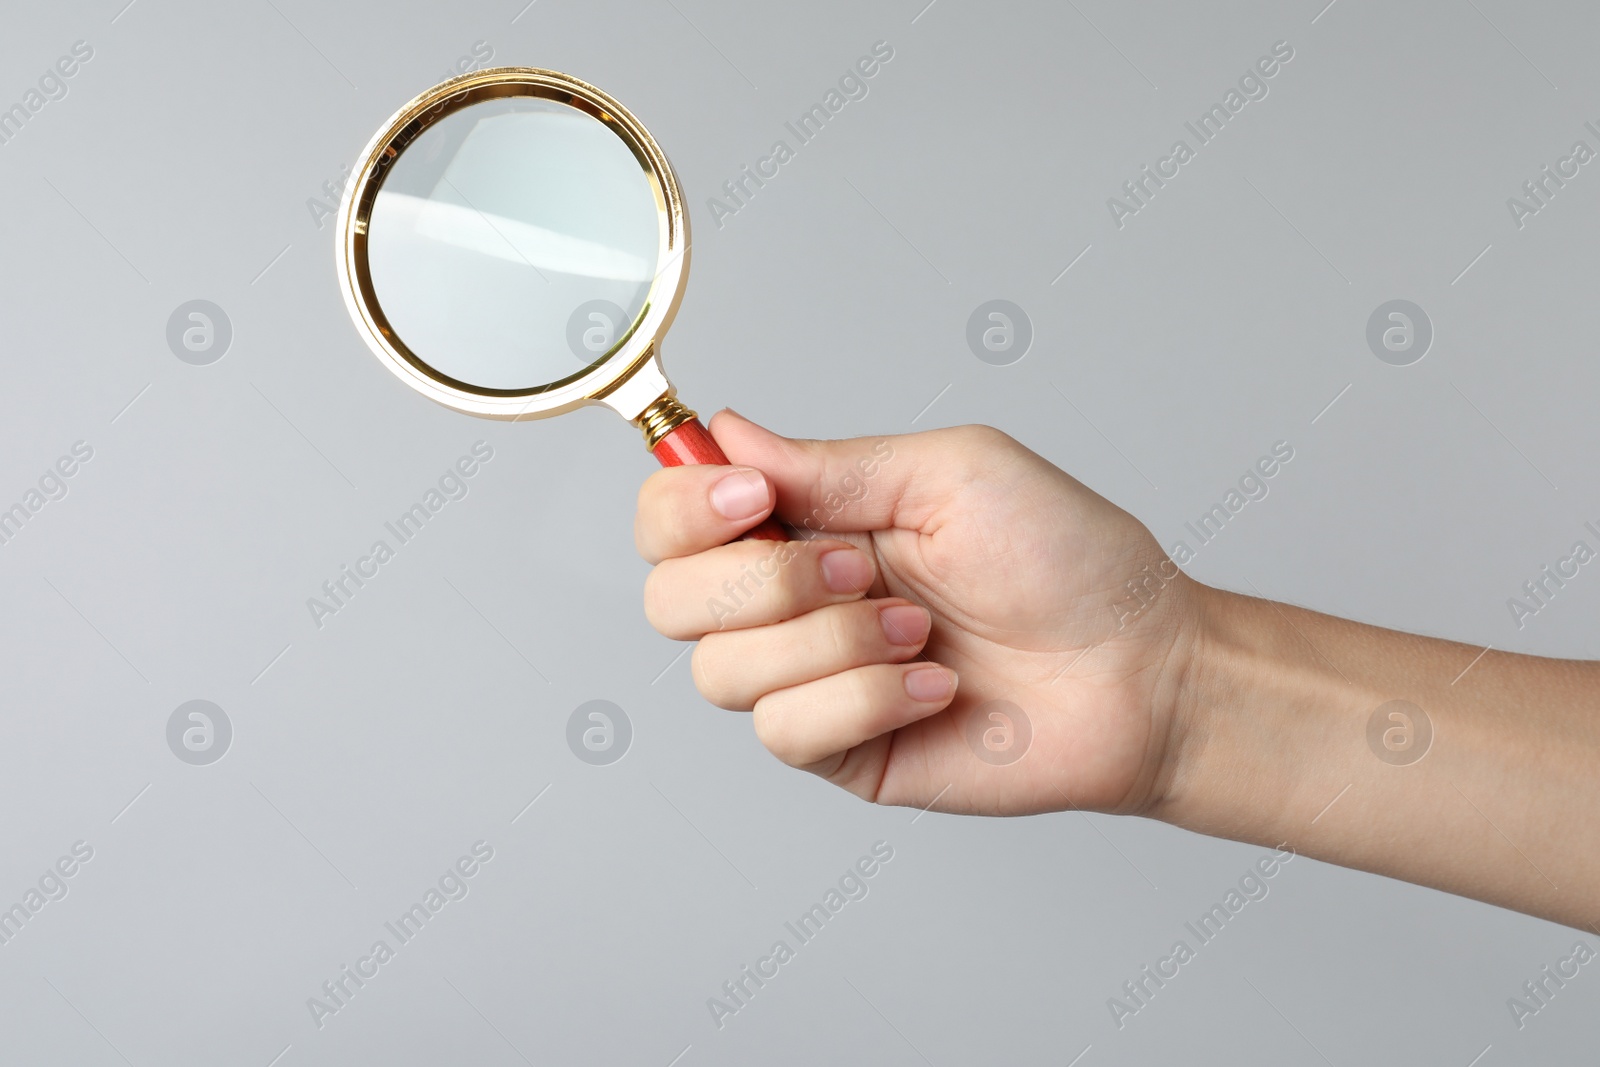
(691, 443)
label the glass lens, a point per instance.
(512, 245)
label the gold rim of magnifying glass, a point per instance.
(587, 385)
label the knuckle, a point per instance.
(652, 600)
(861, 692)
(978, 437)
(658, 601)
(700, 670)
(841, 629)
(707, 664)
(662, 526)
(644, 520)
(651, 513)
(640, 544)
(775, 731)
(674, 534)
(763, 578)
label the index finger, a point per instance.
(685, 510)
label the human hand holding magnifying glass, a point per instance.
(514, 245)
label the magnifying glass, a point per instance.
(514, 245)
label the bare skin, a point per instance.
(937, 574)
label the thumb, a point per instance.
(857, 484)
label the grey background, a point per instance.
(369, 755)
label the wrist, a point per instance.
(1255, 699)
(1273, 742)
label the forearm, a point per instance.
(1273, 747)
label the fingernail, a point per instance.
(740, 494)
(929, 684)
(846, 570)
(905, 624)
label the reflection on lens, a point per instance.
(495, 225)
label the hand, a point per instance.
(928, 558)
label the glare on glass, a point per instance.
(495, 225)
